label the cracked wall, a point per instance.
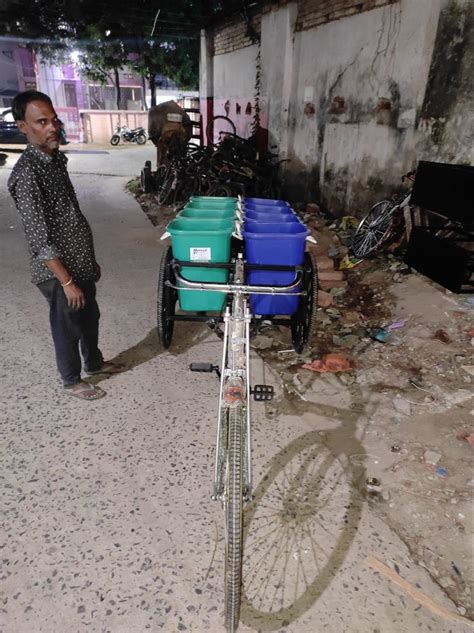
(355, 102)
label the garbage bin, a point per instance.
(206, 212)
(280, 243)
(201, 240)
(259, 216)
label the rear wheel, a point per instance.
(166, 299)
(233, 519)
(302, 322)
(115, 140)
(141, 139)
(218, 127)
(373, 230)
(221, 191)
(164, 194)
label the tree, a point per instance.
(176, 60)
(101, 59)
(109, 32)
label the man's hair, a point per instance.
(22, 99)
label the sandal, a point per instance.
(85, 391)
(107, 368)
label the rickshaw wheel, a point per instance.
(302, 322)
(166, 299)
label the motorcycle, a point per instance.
(138, 135)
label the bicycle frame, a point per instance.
(233, 467)
(235, 359)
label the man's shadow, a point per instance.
(150, 347)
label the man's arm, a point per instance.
(28, 199)
(74, 295)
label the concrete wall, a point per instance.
(358, 87)
(99, 125)
(357, 93)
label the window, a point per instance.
(70, 95)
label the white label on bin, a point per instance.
(200, 253)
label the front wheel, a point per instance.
(115, 140)
(141, 139)
(373, 229)
(233, 506)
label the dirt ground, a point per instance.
(409, 343)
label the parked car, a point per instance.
(9, 133)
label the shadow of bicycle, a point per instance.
(300, 525)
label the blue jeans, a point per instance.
(73, 330)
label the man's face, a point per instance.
(41, 126)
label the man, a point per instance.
(168, 123)
(59, 238)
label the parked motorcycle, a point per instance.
(123, 132)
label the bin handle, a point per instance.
(165, 236)
(238, 230)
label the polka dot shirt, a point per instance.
(54, 224)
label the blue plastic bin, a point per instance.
(271, 217)
(266, 201)
(283, 244)
(253, 226)
(261, 208)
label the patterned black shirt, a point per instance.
(54, 224)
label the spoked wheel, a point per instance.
(374, 228)
(220, 191)
(164, 194)
(218, 127)
(302, 322)
(233, 508)
(166, 299)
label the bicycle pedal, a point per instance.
(205, 367)
(263, 393)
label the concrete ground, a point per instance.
(106, 519)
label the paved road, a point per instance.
(107, 524)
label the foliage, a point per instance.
(107, 33)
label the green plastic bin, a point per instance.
(202, 240)
(212, 214)
(220, 203)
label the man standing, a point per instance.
(59, 238)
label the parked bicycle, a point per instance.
(233, 464)
(230, 168)
(125, 134)
(384, 223)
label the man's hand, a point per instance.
(98, 272)
(75, 297)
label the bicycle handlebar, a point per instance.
(186, 284)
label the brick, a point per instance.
(313, 208)
(331, 275)
(327, 285)
(324, 299)
(324, 263)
